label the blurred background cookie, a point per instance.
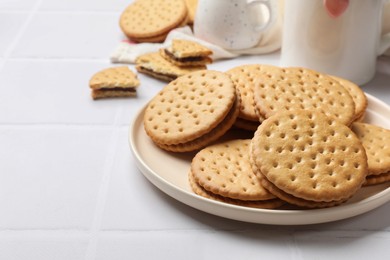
(151, 20)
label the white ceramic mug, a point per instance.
(233, 24)
(346, 46)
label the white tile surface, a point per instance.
(129, 195)
(21, 246)
(186, 244)
(69, 188)
(343, 245)
(24, 5)
(10, 24)
(87, 5)
(50, 178)
(69, 35)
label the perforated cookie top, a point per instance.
(224, 169)
(297, 88)
(189, 107)
(357, 95)
(376, 141)
(117, 77)
(244, 77)
(310, 156)
(148, 18)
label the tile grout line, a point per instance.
(23, 28)
(103, 190)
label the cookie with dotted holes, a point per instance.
(358, 96)
(376, 141)
(189, 108)
(152, 18)
(309, 156)
(282, 89)
(263, 204)
(114, 82)
(243, 77)
(224, 169)
(153, 64)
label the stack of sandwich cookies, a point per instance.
(153, 64)
(185, 53)
(376, 141)
(114, 82)
(152, 20)
(308, 159)
(284, 89)
(192, 111)
(222, 172)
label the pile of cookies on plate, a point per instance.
(307, 145)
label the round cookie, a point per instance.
(224, 169)
(263, 204)
(284, 89)
(377, 179)
(309, 156)
(190, 107)
(152, 18)
(357, 95)
(376, 141)
(243, 77)
(209, 137)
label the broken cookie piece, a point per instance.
(185, 53)
(155, 65)
(114, 82)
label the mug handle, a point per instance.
(272, 10)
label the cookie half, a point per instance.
(153, 64)
(114, 82)
(186, 53)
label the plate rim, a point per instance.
(268, 216)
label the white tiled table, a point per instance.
(69, 188)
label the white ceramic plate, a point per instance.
(168, 171)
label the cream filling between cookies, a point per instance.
(117, 89)
(153, 72)
(185, 59)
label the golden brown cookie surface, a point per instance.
(299, 88)
(151, 18)
(309, 156)
(190, 107)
